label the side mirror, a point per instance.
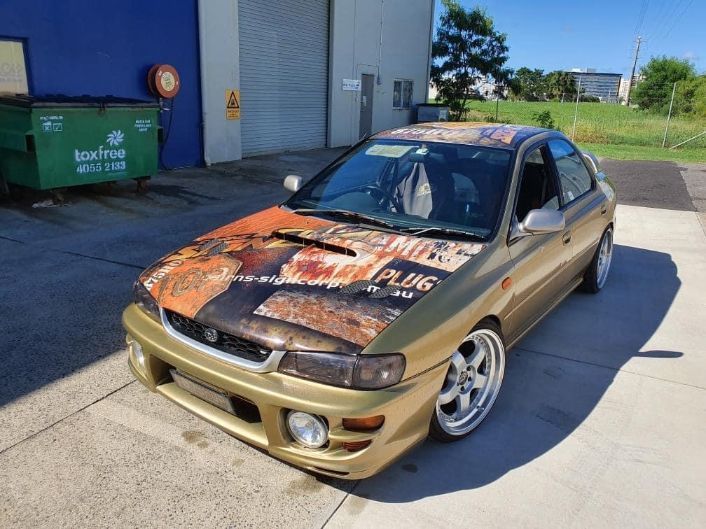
(293, 183)
(540, 221)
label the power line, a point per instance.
(669, 15)
(677, 17)
(641, 16)
(657, 19)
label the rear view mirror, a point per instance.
(540, 221)
(293, 183)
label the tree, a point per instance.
(690, 97)
(529, 85)
(654, 91)
(543, 119)
(560, 85)
(466, 49)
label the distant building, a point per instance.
(604, 86)
(484, 88)
(625, 88)
(623, 91)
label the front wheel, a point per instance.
(597, 272)
(472, 384)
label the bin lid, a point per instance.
(26, 101)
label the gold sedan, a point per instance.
(376, 305)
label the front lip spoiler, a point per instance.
(270, 364)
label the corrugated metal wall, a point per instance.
(283, 74)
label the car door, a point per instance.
(583, 203)
(539, 261)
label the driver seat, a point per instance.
(427, 191)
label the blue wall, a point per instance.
(98, 47)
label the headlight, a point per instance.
(144, 300)
(345, 370)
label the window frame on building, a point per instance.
(406, 97)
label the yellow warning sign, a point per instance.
(232, 104)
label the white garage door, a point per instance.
(283, 74)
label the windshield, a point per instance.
(413, 186)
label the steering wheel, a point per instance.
(383, 198)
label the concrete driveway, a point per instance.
(600, 422)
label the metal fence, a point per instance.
(678, 123)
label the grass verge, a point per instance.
(610, 130)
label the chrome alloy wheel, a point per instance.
(472, 383)
(605, 256)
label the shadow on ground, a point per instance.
(545, 398)
(66, 272)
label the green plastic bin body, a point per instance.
(53, 143)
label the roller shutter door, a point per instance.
(283, 74)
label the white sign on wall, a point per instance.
(13, 74)
(351, 85)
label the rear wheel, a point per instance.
(472, 383)
(597, 272)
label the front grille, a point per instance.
(225, 342)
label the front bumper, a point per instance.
(407, 407)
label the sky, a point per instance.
(560, 35)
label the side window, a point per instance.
(573, 175)
(537, 187)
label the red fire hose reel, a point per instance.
(163, 81)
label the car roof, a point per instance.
(498, 135)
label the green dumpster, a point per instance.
(55, 142)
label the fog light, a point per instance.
(135, 349)
(308, 430)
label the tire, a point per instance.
(479, 362)
(4, 188)
(597, 272)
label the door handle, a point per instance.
(566, 238)
(604, 208)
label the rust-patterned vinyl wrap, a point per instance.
(300, 282)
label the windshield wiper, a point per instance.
(354, 215)
(443, 231)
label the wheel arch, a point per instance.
(490, 317)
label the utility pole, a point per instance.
(634, 65)
(669, 116)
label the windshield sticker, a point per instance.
(389, 151)
(465, 133)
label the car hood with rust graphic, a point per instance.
(293, 282)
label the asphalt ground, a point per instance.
(600, 421)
